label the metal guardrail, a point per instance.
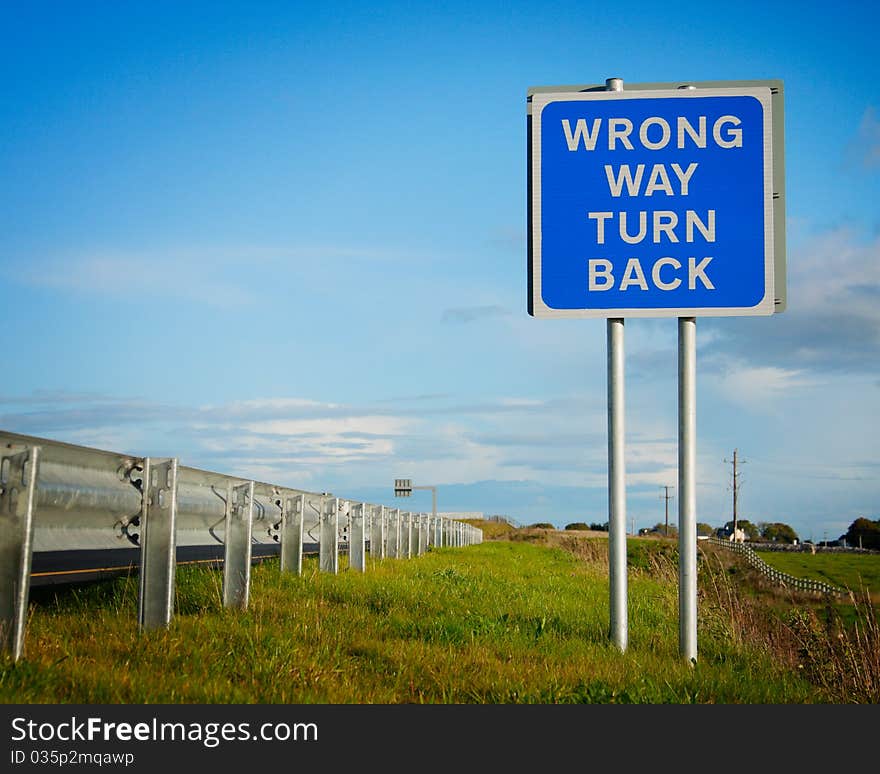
(777, 576)
(65, 503)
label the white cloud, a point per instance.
(759, 387)
(865, 149)
(467, 314)
(522, 402)
(271, 404)
(652, 462)
(832, 322)
(222, 276)
(332, 430)
(134, 275)
(833, 270)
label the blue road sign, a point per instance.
(652, 203)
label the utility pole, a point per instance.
(667, 497)
(735, 489)
(736, 485)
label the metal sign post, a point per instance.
(687, 487)
(403, 487)
(616, 486)
(662, 200)
(616, 470)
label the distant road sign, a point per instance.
(402, 487)
(656, 202)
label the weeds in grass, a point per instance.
(843, 659)
(840, 655)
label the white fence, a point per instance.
(774, 575)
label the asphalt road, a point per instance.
(54, 567)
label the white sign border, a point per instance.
(764, 307)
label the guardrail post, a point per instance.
(392, 543)
(292, 511)
(328, 542)
(237, 539)
(377, 533)
(404, 535)
(357, 549)
(423, 533)
(369, 516)
(158, 542)
(438, 531)
(18, 484)
(344, 523)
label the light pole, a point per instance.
(403, 488)
(433, 498)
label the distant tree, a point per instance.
(599, 527)
(542, 525)
(577, 525)
(867, 530)
(776, 532)
(752, 532)
(660, 529)
(705, 529)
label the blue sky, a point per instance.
(288, 241)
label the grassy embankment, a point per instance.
(518, 620)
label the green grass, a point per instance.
(850, 571)
(501, 622)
